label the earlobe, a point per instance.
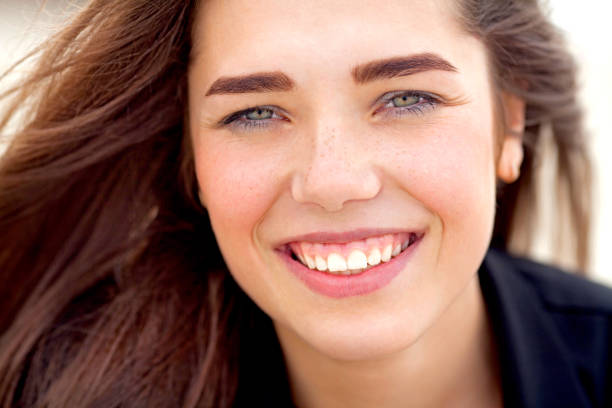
(510, 159)
(511, 155)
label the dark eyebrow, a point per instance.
(400, 66)
(258, 82)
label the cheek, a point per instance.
(460, 181)
(452, 172)
(237, 184)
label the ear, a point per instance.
(511, 154)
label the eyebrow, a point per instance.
(363, 73)
(400, 66)
(259, 82)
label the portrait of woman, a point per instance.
(224, 203)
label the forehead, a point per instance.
(238, 36)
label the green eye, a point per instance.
(405, 100)
(259, 114)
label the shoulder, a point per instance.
(554, 332)
(559, 290)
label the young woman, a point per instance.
(229, 203)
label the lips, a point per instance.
(352, 257)
(356, 267)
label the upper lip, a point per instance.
(347, 236)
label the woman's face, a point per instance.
(337, 132)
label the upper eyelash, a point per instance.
(430, 101)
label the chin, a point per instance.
(360, 340)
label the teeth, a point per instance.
(357, 260)
(309, 262)
(320, 263)
(336, 263)
(374, 258)
(386, 254)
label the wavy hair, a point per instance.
(114, 293)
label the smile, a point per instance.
(340, 269)
(353, 257)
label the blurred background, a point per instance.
(586, 24)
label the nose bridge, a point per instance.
(337, 169)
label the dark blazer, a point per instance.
(554, 334)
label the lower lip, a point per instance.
(340, 286)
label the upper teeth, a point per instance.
(314, 256)
(374, 257)
(357, 260)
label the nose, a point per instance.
(337, 168)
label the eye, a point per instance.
(400, 103)
(251, 118)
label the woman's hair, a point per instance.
(114, 292)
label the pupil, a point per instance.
(259, 114)
(405, 100)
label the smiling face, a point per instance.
(328, 131)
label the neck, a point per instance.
(453, 363)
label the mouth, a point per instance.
(340, 269)
(351, 258)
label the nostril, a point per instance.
(335, 188)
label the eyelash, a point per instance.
(426, 102)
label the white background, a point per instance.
(587, 26)
(588, 29)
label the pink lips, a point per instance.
(339, 286)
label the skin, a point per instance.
(331, 161)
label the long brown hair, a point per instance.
(113, 290)
(529, 58)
